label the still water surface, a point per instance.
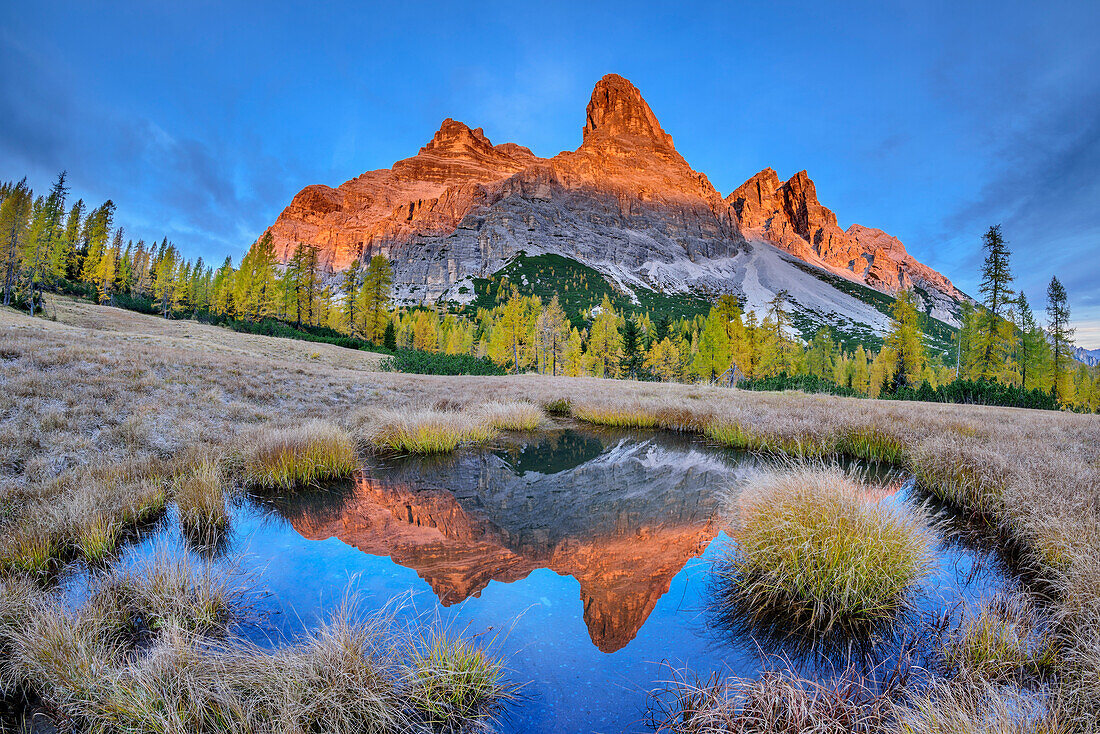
(580, 556)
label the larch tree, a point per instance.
(374, 298)
(1060, 334)
(513, 331)
(551, 335)
(425, 331)
(773, 347)
(97, 232)
(995, 287)
(605, 343)
(904, 340)
(663, 360)
(1032, 345)
(45, 232)
(165, 286)
(860, 371)
(349, 291)
(820, 355)
(14, 218)
(65, 256)
(255, 280)
(714, 354)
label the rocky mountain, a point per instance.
(620, 515)
(1091, 357)
(624, 203)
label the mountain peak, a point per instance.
(617, 110)
(454, 136)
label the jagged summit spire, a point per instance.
(617, 110)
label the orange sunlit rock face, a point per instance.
(622, 575)
(622, 522)
(462, 207)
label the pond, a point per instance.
(580, 556)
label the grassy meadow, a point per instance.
(110, 419)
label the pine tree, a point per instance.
(1061, 336)
(633, 357)
(660, 329)
(996, 277)
(389, 337)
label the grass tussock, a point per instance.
(98, 539)
(455, 682)
(132, 659)
(559, 406)
(972, 481)
(344, 677)
(33, 550)
(810, 543)
(425, 431)
(201, 495)
(968, 707)
(871, 444)
(283, 458)
(616, 416)
(1001, 640)
(775, 703)
(511, 416)
(172, 592)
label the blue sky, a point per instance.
(930, 120)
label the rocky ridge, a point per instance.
(625, 202)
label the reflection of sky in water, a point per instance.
(537, 621)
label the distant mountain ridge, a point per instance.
(1091, 357)
(625, 203)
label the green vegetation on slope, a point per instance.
(939, 336)
(579, 288)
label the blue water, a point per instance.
(581, 557)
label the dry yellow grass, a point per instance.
(425, 431)
(811, 543)
(200, 495)
(305, 454)
(511, 416)
(102, 389)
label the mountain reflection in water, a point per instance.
(620, 513)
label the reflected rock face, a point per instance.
(620, 515)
